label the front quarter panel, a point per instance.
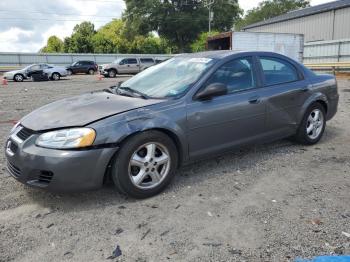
(168, 117)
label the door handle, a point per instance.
(254, 100)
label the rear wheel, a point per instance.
(313, 125)
(145, 164)
(18, 78)
(55, 76)
(112, 73)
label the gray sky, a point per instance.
(25, 25)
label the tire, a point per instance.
(70, 72)
(311, 122)
(55, 77)
(91, 71)
(18, 78)
(112, 73)
(135, 170)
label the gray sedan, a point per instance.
(53, 72)
(188, 108)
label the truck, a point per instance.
(291, 45)
(126, 66)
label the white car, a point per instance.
(53, 72)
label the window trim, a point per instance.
(255, 76)
(299, 74)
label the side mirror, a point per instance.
(212, 90)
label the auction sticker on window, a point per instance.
(200, 60)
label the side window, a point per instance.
(35, 67)
(237, 75)
(146, 60)
(277, 71)
(132, 61)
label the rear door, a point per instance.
(230, 120)
(286, 91)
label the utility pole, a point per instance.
(209, 5)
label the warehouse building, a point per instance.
(330, 21)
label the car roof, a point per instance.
(225, 53)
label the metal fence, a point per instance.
(320, 52)
(23, 59)
(327, 51)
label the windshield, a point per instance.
(169, 79)
(29, 67)
(117, 61)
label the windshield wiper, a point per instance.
(133, 91)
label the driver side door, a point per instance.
(234, 119)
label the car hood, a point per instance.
(82, 110)
(13, 72)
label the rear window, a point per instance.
(146, 60)
(277, 71)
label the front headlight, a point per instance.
(67, 138)
(14, 128)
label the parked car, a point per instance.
(126, 66)
(86, 67)
(190, 107)
(54, 72)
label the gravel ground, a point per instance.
(273, 202)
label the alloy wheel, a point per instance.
(315, 124)
(19, 78)
(149, 165)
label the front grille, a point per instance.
(15, 171)
(24, 133)
(45, 177)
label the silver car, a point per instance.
(126, 66)
(53, 72)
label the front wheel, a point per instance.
(313, 125)
(145, 164)
(18, 78)
(91, 71)
(69, 72)
(112, 73)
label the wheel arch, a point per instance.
(171, 134)
(14, 76)
(315, 98)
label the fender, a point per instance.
(312, 99)
(119, 127)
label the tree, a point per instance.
(179, 21)
(270, 8)
(54, 45)
(81, 39)
(200, 44)
(110, 38)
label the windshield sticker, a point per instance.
(200, 60)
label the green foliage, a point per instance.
(54, 45)
(81, 39)
(200, 44)
(179, 21)
(270, 8)
(110, 38)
